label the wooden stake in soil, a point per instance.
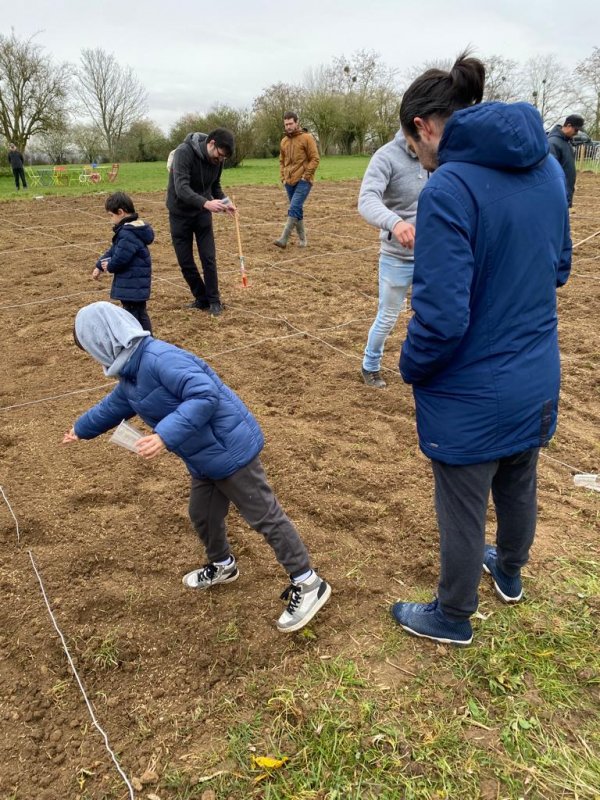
(239, 241)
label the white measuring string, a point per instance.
(55, 397)
(13, 515)
(79, 682)
(70, 660)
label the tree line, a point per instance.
(98, 109)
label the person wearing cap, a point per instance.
(194, 194)
(15, 159)
(561, 147)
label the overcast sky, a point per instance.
(191, 54)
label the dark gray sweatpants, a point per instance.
(461, 500)
(249, 491)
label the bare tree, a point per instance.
(544, 85)
(33, 91)
(57, 144)
(503, 80)
(111, 95)
(587, 73)
(89, 141)
(269, 108)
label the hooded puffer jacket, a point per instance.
(129, 260)
(492, 244)
(178, 395)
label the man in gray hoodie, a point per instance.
(194, 194)
(388, 200)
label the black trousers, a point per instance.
(138, 310)
(183, 232)
(19, 173)
(461, 501)
(249, 490)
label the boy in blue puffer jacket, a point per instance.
(194, 415)
(128, 258)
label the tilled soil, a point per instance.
(108, 533)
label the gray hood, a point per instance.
(109, 334)
(198, 144)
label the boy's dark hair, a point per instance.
(437, 93)
(291, 115)
(119, 200)
(223, 139)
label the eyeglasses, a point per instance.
(220, 155)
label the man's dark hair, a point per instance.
(224, 140)
(437, 93)
(575, 120)
(119, 200)
(291, 115)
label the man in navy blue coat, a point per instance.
(492, 244)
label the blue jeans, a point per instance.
(395, 278)
(297, 194)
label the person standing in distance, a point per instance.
(561, 147)
(194, 194)
(298, 161)
(388, 200)
(481, 352)
(15, 159)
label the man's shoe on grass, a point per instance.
(509, 589)
(373, 379)
(428, 621)
(211, 574)
(216, 309)
(304, 600)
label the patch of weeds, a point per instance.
(229, 633)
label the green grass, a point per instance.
(516, 715)
(152, 177)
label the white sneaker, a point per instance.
(211, 574)
(304, 600)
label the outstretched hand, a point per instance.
(70, 436)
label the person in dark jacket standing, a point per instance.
(128, 258)
(194, 415)
(559, 141)
(194, 194)
(15, 159)
(492, 244)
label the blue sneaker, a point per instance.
(509, 589)
(429, 621)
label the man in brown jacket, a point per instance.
(298, 160)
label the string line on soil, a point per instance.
(50, 299)
(586, 239)
(79, 682)
(54, 397)
(562, 463)
(13, 515)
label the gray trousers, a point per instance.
(249, 491)
(461, 500)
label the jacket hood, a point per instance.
(401, 142)
(109, 334)
(497, 135)
(142, 230)
(198, 143)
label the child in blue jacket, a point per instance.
(128, 258)
(194, 415)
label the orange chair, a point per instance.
(112, 175)
(60, 176)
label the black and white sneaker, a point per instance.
(304, 600)
(211, 574)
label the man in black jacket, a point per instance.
(15, 159)
(193, 196)
(559, 141)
